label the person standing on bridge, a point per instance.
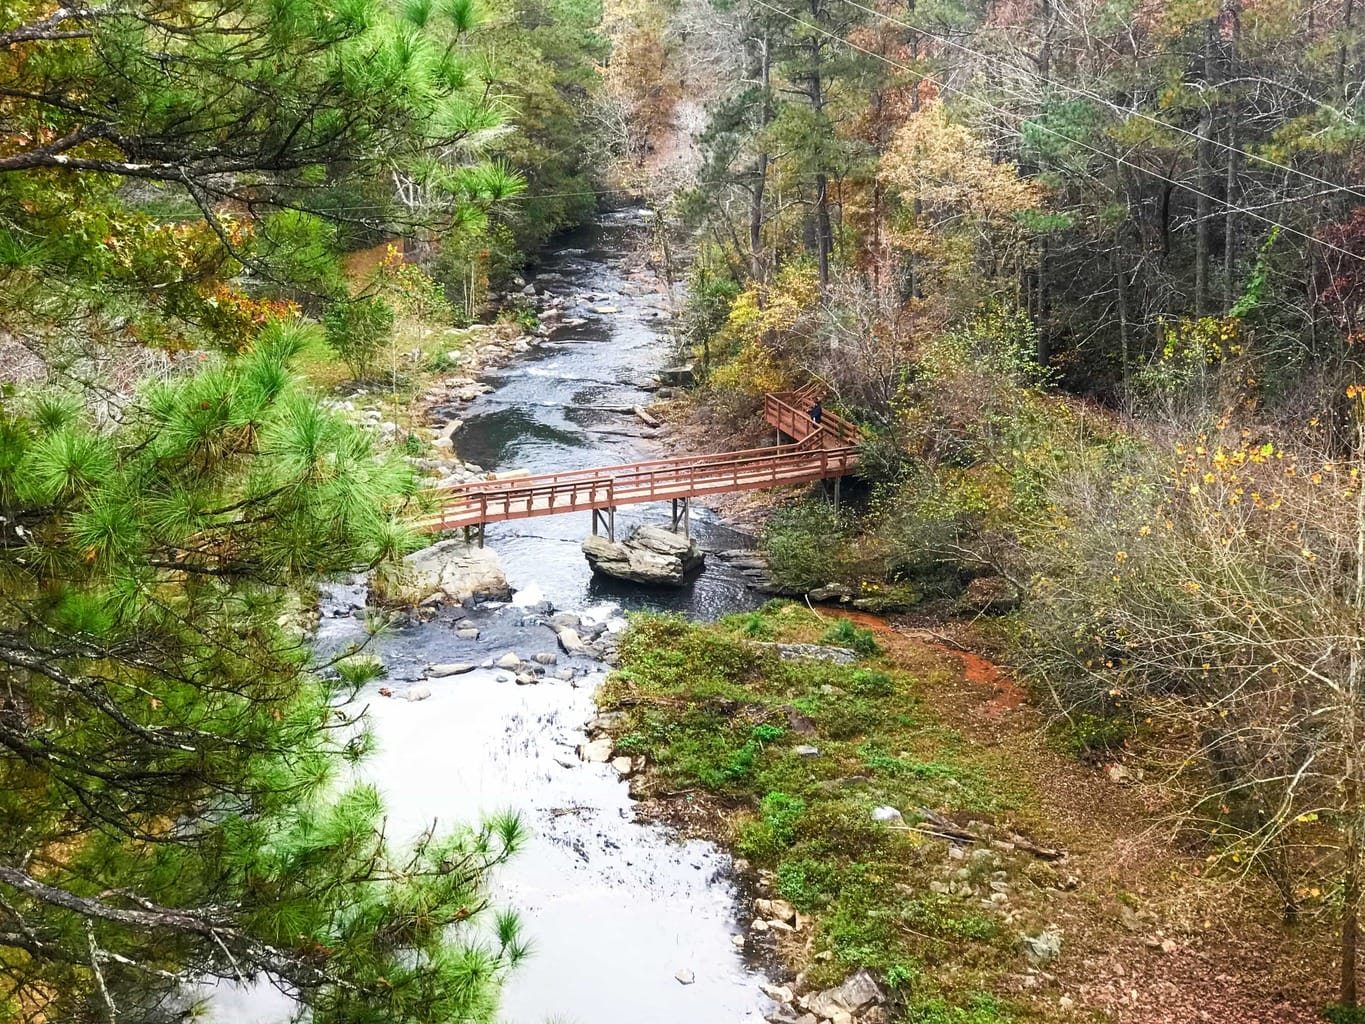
(816, 411)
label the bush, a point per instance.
(805, 546)
(356, 330)
(845, 634)
(775, 829)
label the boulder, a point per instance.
(598, 751)
(508, 661)
(650, 555)
(886, 814)
(448, 568)
(418, 693)
(814, 652)
(449, 669)
(1044, 947)
(570, 641)
(857, 992)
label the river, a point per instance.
(614, 909)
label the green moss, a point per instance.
(714, 711)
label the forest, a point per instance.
(1089, 276)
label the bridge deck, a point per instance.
(821, 452)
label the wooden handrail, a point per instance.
(820, 451)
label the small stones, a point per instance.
(545, 658)
(805, 750)
(685, 977)
(886, 814)
(468, 633)
(527, 679)
(417, 693)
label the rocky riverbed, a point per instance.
(487, 704)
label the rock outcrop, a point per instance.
(450, 570)
(650, 555)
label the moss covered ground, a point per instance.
(785, 762)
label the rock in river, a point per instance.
(650, 555)
(452, 668)
(598, 751)
(449, 568)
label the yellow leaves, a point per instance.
(948, 168)
(1120, 556)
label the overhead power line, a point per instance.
(1023, 119)
(1088, 94)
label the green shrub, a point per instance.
(980, 1009)
(775, 828)
(808, 883)
(845, 634)
(805, 546)
(356, 331)
(872, 683)
(1339, 1014)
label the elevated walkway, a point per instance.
(816, 452)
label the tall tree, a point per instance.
(175, 801)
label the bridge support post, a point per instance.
(682, 516)
(833, 491)
(606, 517)
(474, 533)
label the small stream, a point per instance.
(614, 909)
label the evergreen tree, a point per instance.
(176, 799)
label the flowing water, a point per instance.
(614, 910)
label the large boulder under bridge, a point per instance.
(650, 555)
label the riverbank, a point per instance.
(913, 810)
(484, 706)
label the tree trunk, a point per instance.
(1230, 185)
(823, 231)
(756, 252)
(1203, 211)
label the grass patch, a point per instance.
(712, 710)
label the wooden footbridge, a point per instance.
(823, 451)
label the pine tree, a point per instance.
(176, 799)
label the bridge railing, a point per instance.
(522, 502)
(789, 412)
(578, 475)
